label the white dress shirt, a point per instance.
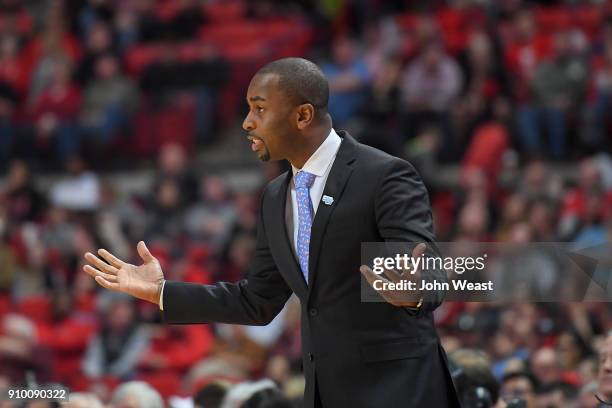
(319, 164)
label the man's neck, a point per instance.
(308, 149)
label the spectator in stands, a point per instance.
(473, 222)
(484, 82)
(604, 372)
(512, 213)
(211, 395)
(136, 394)
(108, 102)
(22, 200)
(118, 347)
(98, 42)
(186, 20)
(66, 333)
(55, 112)
(173, 349)
(524, 51)
(236, 346)
(556, 395)
(539, 181)
(429, 86)
(60, 240)
(53, 45)
(8, 127)
(573, 212)
(572, 348)
(545, 365)
(488, 144)
(557, 89)
(174, 163)
(586, 396)
(602, 101)
(348, 78)
(542, 219)
(473, 371)
(240, 394)
(166, 216)
(21, 352)
(382, 108)
(268, 398)
(593, 229)
(484, 77)
(78, 190)
(170, 77)
(239, 255)
(519, 385)
(8, 264)
(211, 218)
(11, 72)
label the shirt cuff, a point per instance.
(161, 296)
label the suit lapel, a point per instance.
(336, 181)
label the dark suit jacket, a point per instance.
(360, 354)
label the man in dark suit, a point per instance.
(312, 221)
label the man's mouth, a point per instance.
(256, 143)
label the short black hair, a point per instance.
(210, 395)
(513, 375)
(268, 398)
(301, 80)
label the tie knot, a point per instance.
(304, 179)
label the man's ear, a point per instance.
(305, 115)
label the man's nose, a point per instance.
(248, 124)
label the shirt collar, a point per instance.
(320, 160)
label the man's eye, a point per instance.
(259, 109)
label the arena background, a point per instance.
(120, 121)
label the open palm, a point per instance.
(143, 281)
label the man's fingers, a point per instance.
(393, 275)
(370, 276)
(95, 273)
(144, 253)
(110, 258)
(100, 264)
(419, 250)
(106, 284)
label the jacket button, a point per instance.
(313, 312)
(310, 357)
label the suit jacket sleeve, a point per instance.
(403, 214)
(255, 300)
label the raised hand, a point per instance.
(396, 297)
(143, 281)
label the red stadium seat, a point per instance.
(176, 126)
(589, 20)
(36, 307)
(139, 57)
(224, 11)
(406, 21)
(551, 19)
(154, 129)
(244, 51)
(5, 304)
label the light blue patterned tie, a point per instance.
(303, 181)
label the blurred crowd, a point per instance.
(513, 95)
